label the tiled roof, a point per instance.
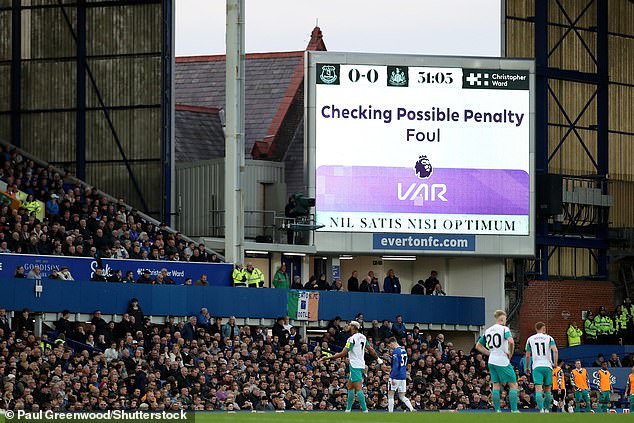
(202, 83)
(273, 94)
(198, 133)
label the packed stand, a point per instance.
(79, 222)
(209, 364)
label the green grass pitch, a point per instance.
(380, 417)
(398, 417)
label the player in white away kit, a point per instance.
(539, 346)
(355, 349)
(498, 344)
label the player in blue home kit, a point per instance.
(398, 376)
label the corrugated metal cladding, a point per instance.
(5, 69)
(200, 196)
(623, 193)
(572, 262)
(113, 178)
(571, 158)
(123, 46)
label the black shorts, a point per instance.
(559, 397)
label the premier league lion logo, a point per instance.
(423, 167)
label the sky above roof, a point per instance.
(435, 27)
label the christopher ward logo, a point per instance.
(328, 74)
(491, 79)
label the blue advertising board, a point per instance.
(82, 268)
(265, 303)
(423, 242)
(618, 377)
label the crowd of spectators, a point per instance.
(205, 364)
(78, 221)
(208, 364)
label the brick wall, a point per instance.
(546, 301)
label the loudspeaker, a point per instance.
(549, 194)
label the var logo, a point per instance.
(421, 192)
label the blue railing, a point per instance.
(113, 298)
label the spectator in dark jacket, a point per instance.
(385, 331)
(353, 282)
(280, 332)
(398, 328)
(24, 321)
(322, 283)
(140, 379)
(374, 286)
(189, 330)
(4, 321)
(134, 309)
(115, 276)
(145, 277)
(98, 276)
(312, 284)
(391, 283)
(419, 288)
(63, 324)
(99, 322)
(430, 282)
(365, 284)
(19, 272)
(374, 332)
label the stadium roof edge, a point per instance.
(197, 109)
(249, 56)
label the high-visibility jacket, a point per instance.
(591, 329)
(604, 380)
(574, 336)
(32, 206)
(255, 278)
(239, 277)
(620, 321)
(603, 324)
(559, 382)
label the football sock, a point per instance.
(350, 399)
(361, 398)
(513, 399)
(406, 401)
(539, 399)
(390, 403)
(496, 399)
(548, 398)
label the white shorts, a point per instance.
(396, 385)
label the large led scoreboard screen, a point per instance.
(402, 148)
